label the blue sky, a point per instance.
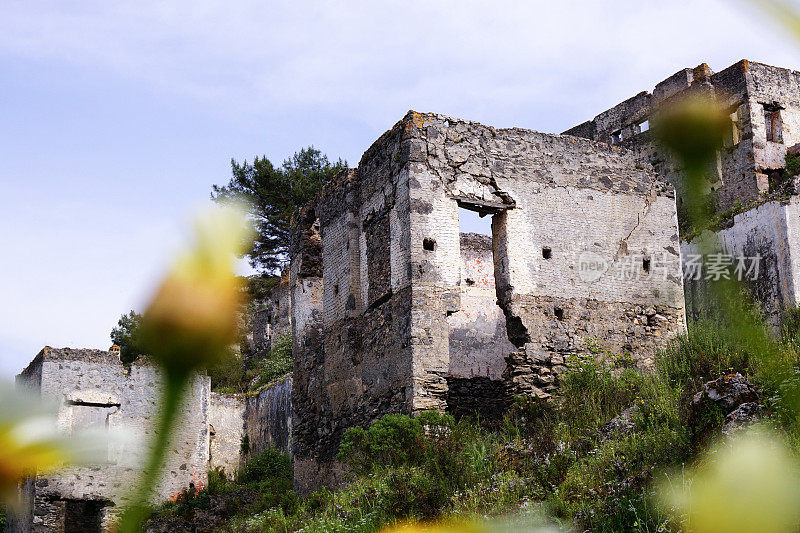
(117, 117)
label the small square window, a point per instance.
(559, 313)
(644, 126)
(547, 253)
(428, 244)
(616, 137)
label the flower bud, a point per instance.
(748, 484)
(694, 128)
(192, 319)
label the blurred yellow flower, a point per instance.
(749, 484)
(529, 520)
(694, 128)
(30, 442)
(439, 527)
(193, 317)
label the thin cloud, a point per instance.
(285, 75)
(369, 57)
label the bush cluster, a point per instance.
(264, 482)
(792, 164)
(560, 453)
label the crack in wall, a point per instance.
(622, 247)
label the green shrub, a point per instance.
(530, 417)
(436, 424)
(430, 466)
(393, 440)
(192, 498)
(591, 394)
(707, 352)
(604, 483)
(793, 164)
(277, 363)
(423, 463)
(790, 326)
(227, 375)
(265, 482)
(413, 492)
(259, 286)
(270, 464)
(713, 349)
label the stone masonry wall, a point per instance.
(273, 319)
(351, 333)
(94, 390)
(569, 196)
(226, 418)
(744, 89)
(269, 417)
(478, 340)
(376, 272)
(308, 387)
(743, 170)
(768, 232)
(767, 85)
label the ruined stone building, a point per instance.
(580, 224)
(94, 390)
(748, 179)
(392, 309)
(272, 319)
(764, 106)
(377, 282)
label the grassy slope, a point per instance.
(545, 455)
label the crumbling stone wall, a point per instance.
(766, 232)
(268, 417)
(94, 390)
(352, 354)
(743, 167)
(376, 270)
(768, 85)
(478, 339)
(226, 420)
(555, 198)
(71, 516)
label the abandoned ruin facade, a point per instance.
(764, 107)
(381, 305)
(376, 273)
(391, 308)
(94, 390)
(749, 177)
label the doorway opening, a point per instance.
(83, 516)
(478, 338)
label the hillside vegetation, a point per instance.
(592, 458)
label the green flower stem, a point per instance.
(138, 508)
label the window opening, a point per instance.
(774, 125)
